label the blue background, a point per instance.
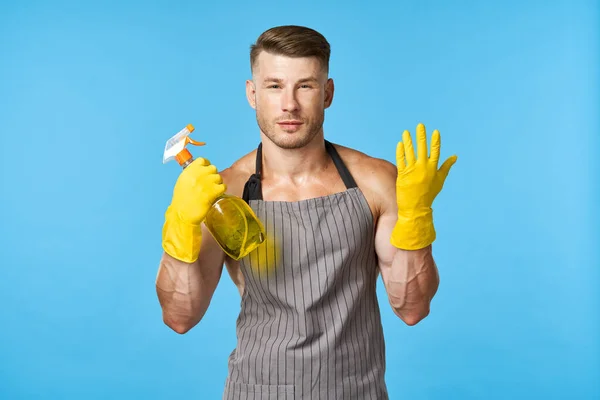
(91, 91)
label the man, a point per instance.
(309, 326)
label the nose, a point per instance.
(288, 101)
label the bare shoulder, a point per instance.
(369, 172)
(238, 173)
(375, 177)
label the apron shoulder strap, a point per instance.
(340, 166)
(253, 188)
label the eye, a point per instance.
(275, 86)
(305, 86)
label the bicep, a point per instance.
(386, 252)
(387, 209)
(384, 249)
(210, 261)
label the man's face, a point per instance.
(290, 96)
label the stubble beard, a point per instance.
(294, 140)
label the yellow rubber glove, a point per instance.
(418, 183)
(196, 189)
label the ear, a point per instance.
(251, 93)
(329, 89)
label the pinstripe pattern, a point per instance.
(309, 325)
(310, 328)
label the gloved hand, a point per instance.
(418, 183)
(196, 189)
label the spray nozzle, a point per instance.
(175, 147)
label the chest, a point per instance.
(289, 191)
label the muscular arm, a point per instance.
(185, 290)
(410, 277)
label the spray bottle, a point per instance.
(230, 219)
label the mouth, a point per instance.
(290, 126)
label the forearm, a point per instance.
(412, 282)
(183, 292)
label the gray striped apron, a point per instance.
(309, 325)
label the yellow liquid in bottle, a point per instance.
(234, 226)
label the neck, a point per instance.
(294, 164)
